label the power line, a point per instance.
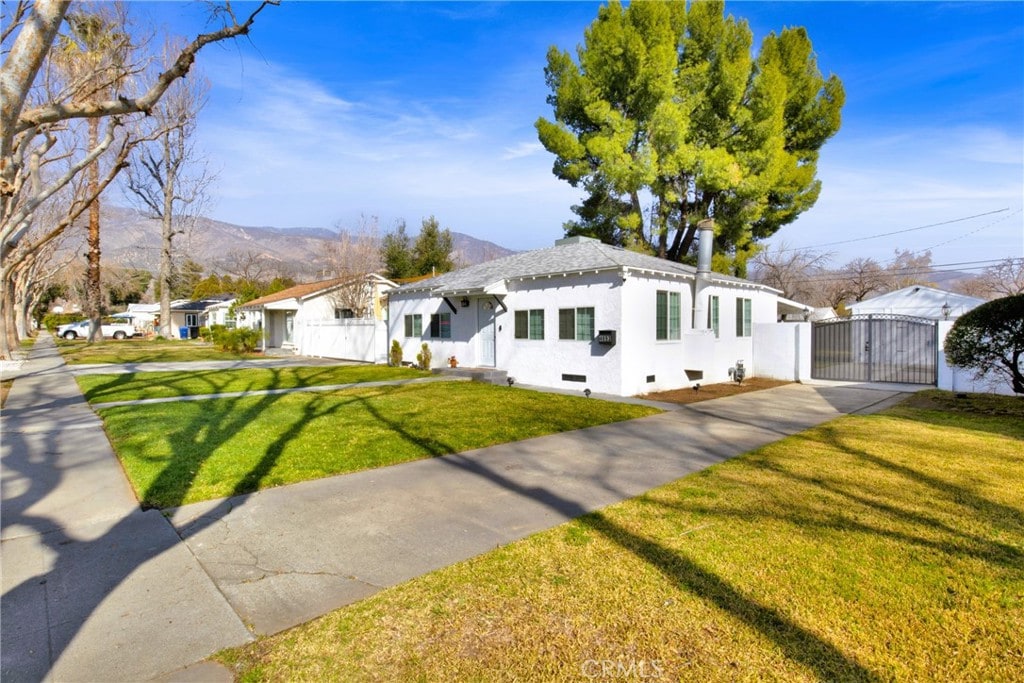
(968, 234)
(963, 266)
(900, 232)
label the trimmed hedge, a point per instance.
(234, 340)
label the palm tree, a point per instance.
(93, 55)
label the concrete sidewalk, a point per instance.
(95, 589)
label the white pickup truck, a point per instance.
(117, 330)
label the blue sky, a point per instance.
(334, 110)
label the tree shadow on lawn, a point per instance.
(798, 643)
(841, 512)
(111, 558)
(121, 380)
(198, 440)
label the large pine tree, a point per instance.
(666, 118)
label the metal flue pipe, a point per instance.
(705, 241)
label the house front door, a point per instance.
(486, 334)
(289, 327)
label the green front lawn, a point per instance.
(872, 548)
(143, 351)
(183, 452)
(146, 385)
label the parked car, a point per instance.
(117, 330)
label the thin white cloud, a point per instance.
(522, 149)
(296, 154)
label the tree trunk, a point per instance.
(166, 253)
(22, 304)
(93, 289)
(8, 336)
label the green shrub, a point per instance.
(237, 340)
(990, 339)
(424, 357)
(51, 321)
(395, 355)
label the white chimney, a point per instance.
(705, 240)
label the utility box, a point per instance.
(606, 337)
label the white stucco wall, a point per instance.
(463, 324)
(783, 351)
(643, 355)
(728, 348)
(544, 362)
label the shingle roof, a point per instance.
(917, 300)
(197, 305)
(305, 290)
(577, 254)
(296, 292)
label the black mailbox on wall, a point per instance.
(606, 337)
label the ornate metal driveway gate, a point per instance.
(875, 348)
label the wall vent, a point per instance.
(573, 378)
(650, 378)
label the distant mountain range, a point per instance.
(130, 239)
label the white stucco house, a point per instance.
(918, 301)
(188, 316)
(219, 313)
(586, 315)
(340, 318)
(144, 316)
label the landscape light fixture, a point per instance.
(586, 392)
(511, 381)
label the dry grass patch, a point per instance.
(883, 547)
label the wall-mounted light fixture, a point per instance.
(807, 314)
(488, 305)
(946, 310)
(464, 302)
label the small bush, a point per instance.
(395, 355)
(424, 357)
(990, 339)
(51, 321)
(237, 340)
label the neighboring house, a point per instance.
(918, 301)
(218, 314)
(796, 312)
(144, 316)
(340, 318)
(583, 314)
(188, 316)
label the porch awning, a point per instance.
(498, 288)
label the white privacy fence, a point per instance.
(347, 339)
(783, 351)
